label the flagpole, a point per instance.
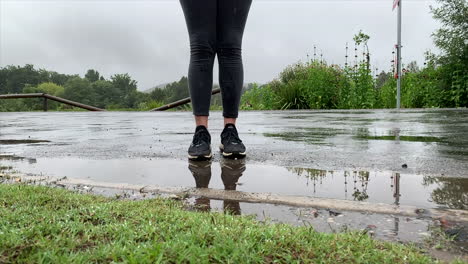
(399, 70)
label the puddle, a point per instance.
(5, 168)
(320, 135)
(385, 227)
(370, 186)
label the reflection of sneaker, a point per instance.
(231, 171)
(231, 207)
(200, 149)
(202, 204)
(231, 145)
(201, 171)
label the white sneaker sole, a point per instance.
(228, 155)
(205, 157)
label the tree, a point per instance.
(125, 89)
(79, 89)
(105, 93)
(92, 75)
(178, 90)
(362, 38)
(17, 77)
(382, 78)
(413, 67)
(50, 88)
(59, 79)
(452, 38)
(158, 94)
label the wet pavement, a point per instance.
(411, 157)
(429, 142)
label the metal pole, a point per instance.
(50, 97)
(180, 102)
(399, 57)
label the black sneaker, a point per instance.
(231, 145)
(200, 149)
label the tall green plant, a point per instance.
(259, 98)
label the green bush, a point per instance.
(146, 106)
(422, 89)
(302, 86)
(260, 98)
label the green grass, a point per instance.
(50, 225)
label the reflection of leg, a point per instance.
(201, 171)
(202, 204)
(231, 171)
(231, 207)
(396, 226)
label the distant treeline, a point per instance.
(119, 92)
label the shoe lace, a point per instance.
(200, 137)
(231, 135)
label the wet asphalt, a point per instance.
(427, 142)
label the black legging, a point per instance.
(216, 27)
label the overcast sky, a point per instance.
(148, 39)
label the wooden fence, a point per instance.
(50, 97)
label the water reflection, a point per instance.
(396, 188)
(231, 171)
(357, 181)
(201, 172)
(452, 192)
(8, 157)
(359, 185)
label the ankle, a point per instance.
(228, 120)
(201, 127)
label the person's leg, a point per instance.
(201, 25)
(229, 120)
(232, 16)
(231, 20)
(201, 120)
